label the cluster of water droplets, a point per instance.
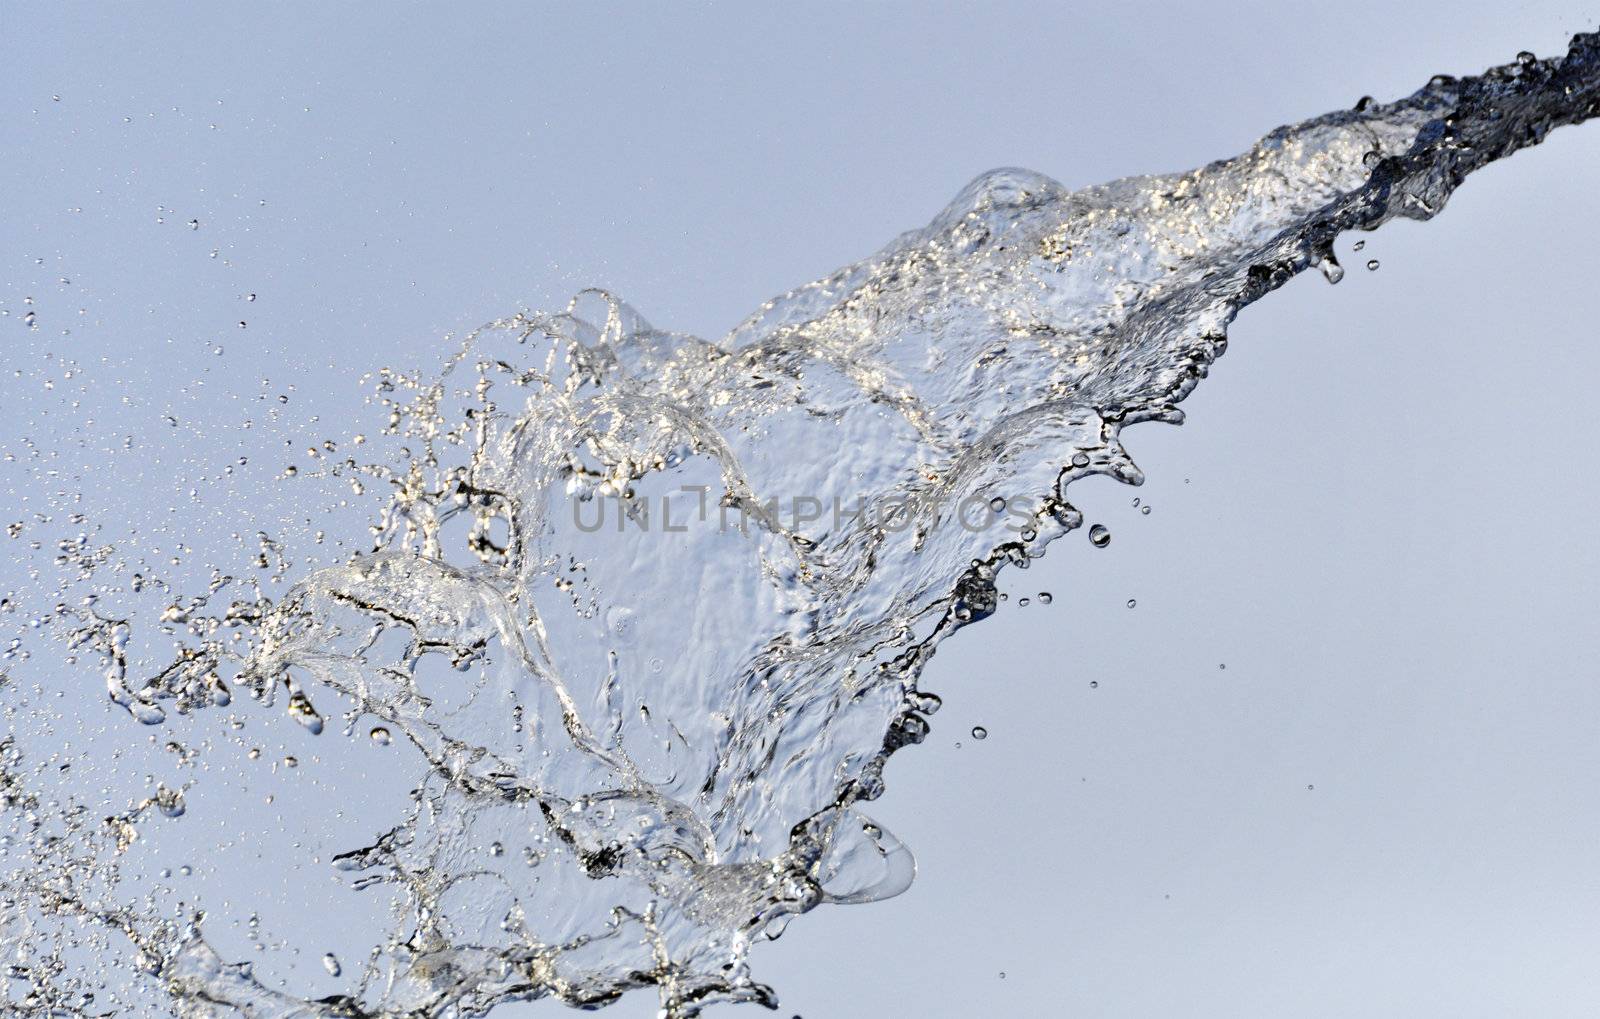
(640, 745)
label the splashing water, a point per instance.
(645, 614)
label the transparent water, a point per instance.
(645, 614)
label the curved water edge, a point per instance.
(652, 610)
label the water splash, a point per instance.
(650, 611)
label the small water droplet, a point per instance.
(1132, 602)
(1372, 265)
(1526, 59)
(331, 964)
(1045, 597)
(1080, 459)
(1099, 536)
(1145, 510)
(1359, 245)
(997, 504)
(979, 732)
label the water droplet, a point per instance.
(1094, 684)
(1080, 459)
(1022, 602)
(1145, 510)
(1526, 59)
(1132, 602)
(1099, 536)
(997, 504)
(331, 964)
(979, 732)
(1045, 597)
(194, 224)
(380, 736)
(1359, 245)
(1372, 265)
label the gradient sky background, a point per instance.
(1379, 518)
